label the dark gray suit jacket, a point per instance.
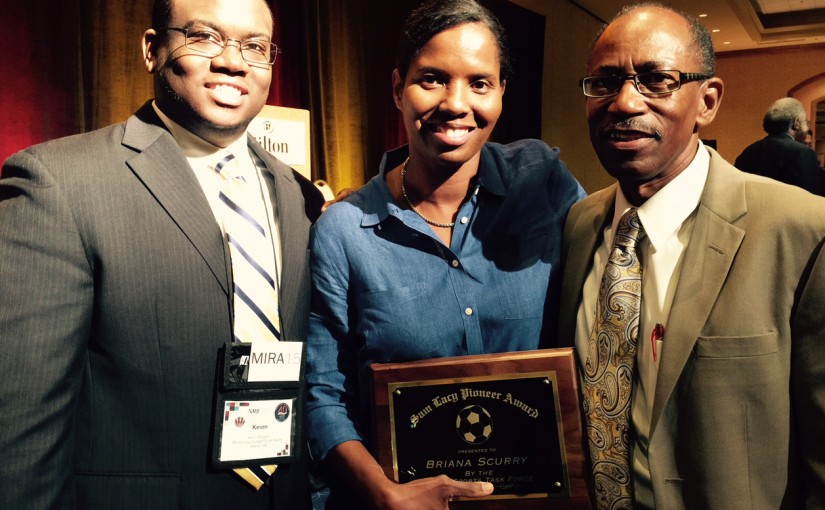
(739, 406)
(782, 158)
(115, 297)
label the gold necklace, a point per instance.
(414, 208)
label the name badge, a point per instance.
(275, 361)
(257, 421)
(256, 429)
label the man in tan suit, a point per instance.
(727, 406)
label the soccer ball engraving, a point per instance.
(474, 424)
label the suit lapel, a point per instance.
(584, 236)
(162, 168)
(294, 237)
(707, 260)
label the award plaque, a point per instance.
(511, 419)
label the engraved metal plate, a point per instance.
(505, 430)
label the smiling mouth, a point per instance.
(452, 135)
(226, 93)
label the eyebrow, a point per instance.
(213, 26)
(428, 70)
(651, 65)
(441, 73)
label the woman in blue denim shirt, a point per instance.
(452, 249)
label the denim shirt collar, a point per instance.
(380, 203)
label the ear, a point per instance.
(709, 102)
(151, 42)
(397, 88)
(503, 86)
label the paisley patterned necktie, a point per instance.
(610, 368)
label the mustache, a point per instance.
(632, 124)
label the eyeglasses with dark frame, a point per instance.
(211, 43)
(650, 84)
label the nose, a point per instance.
(231, 58)
(455, 99)
(628, 100)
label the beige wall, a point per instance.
(569, 32)
(753, 80)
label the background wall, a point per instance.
(568, 36)
(754, 80)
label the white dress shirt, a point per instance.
(667, 218)
(202, 157)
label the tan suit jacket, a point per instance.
(739, 409)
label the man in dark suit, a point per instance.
(727, 376)
(783, 155)
(117, 282)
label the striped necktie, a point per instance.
(254, 275)
(610, 368)
(251, 249)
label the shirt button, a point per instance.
(454, 263)
(468, 311)
(464, 220)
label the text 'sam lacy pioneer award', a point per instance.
(511, 419)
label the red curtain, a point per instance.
(290, 68)
(37, 102)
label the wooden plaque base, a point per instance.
(540, 388)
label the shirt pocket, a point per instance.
(408, 322)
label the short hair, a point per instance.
(781, 115)
(699, 35)
(162, 12)
(434, 16)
